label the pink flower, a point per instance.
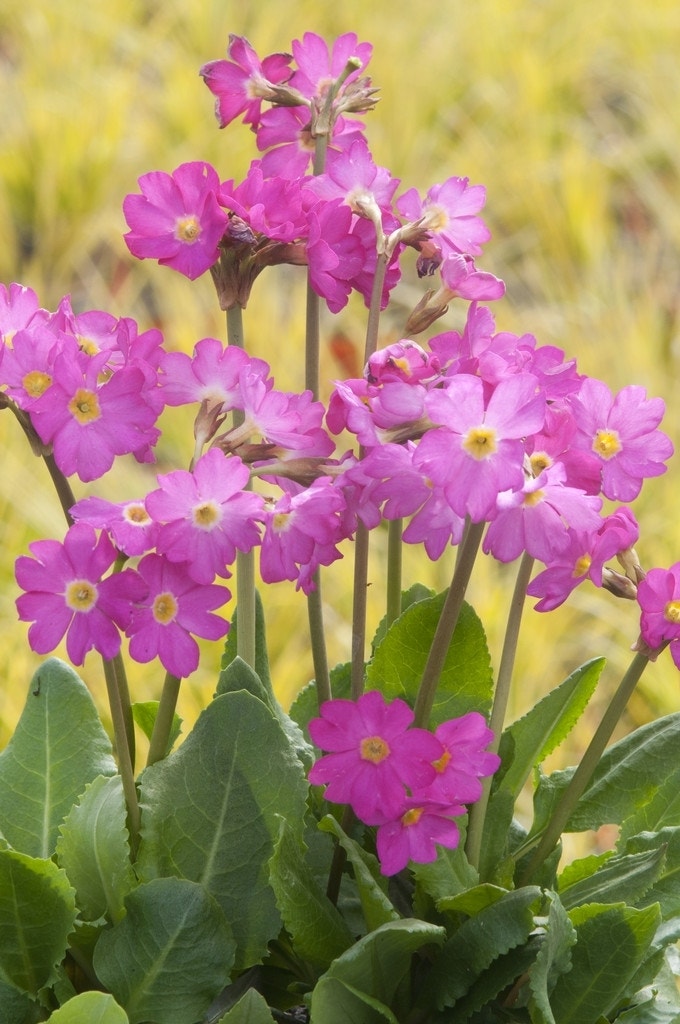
(317, 67)
(622, 433)
(373, 755)
(334, 254)
(478, 451)
(460, 277)
(449, 212)
(240, 84)
(413, 835)
(206, 515)
(212, 375)
(463, 762)
(88, 422)
(66, 595)
(659, 598)
(272, 207)
(18, 308)
(177, 220)
(403, 360)
(351, 175)
(177, 609)
(28, 365)
(128, 522)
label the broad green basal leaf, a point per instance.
(90, 1008)
(37, 913)
(58, 747)
(466, 680)
(94, 850)
(211, 813)
(169, 956)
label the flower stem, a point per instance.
(447, 624)
(359, 610)
(245, 561)
(589, 762)
(477, 817)
(120, 732)
(165, 716)
(394, 564)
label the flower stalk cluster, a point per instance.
(467, 438)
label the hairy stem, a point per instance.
(589, 762)
(500, 704)
(125, 767)
(447, 623)
(394, 565)
(165, 716)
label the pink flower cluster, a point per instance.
(409, 782)
(335, 222)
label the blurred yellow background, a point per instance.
(568, 113)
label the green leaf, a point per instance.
(553, 959)
(451, 873)
(169, 956)
(371, 885)
(367, 976)
(473, 900)
(611, 943)
(466, 680)
(144, 713)
(494, 931)
(418, 592)
(529, 740)
(629, 774)
(660, 811)
(621, 879)
(658, 1002)
(497, 978)
(666, 888)
(318, 931)
(94, 851)
(306, 704)
(16, 1007)
(90, 1008)
(250, 1009)
(37, 913)
(59, 745)
(238, 675)
(210, 813)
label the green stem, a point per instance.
(318, 643)
(473, 844)
(245, 561)
(447, 624)
(124, 761)
(359, 601)
(394, 565)
(589, 762)
(125, 703)
(373, 321)
(165, 716)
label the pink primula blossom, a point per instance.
(353, 176)
(271, 207)
(211, 375)
(241, 83)
(206, 515)
(28, 365)
(449, 213)
(176, 610)
(582, 558)
(66, 595)
(128, 522)
(478, 451)
(18, 308)
(659, 598)
(621, 432)
(335, 255)
(535, 519)
(460, 277)
(373, 754)
(89, 422)
(318, 67)
(403, 360)
(414, 834)
(463, 762)
(177, 219)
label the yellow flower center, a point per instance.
(581, 566)
(412, 817)
(532, 498)
(540, 461)
(374, 749)
(606, 444)
(281, 521)
(480, 442)
(440, 764)
(187, 229)
(136, 514)
(671, 612)
(87, 345)
(164, 608)
(207, 515)
(84, 406)
(436, 218)
(36, 382)
(81, 595)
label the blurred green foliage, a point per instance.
(566, 111)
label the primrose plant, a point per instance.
(360, 858)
